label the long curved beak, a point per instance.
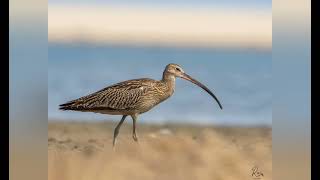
(189, 78)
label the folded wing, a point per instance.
(121, 96)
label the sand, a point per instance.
(83, 151)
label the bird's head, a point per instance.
(176, 71)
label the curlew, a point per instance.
(132, 97)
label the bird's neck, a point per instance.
(169, 79)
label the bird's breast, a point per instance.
(152, 98)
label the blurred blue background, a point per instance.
(240, 77)
(241, 80)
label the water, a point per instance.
(240, 79)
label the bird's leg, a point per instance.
(116, 130)
(134, 135)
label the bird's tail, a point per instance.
(71, 105)
(79, 104)
(65, 106)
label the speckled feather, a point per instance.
(128, 97)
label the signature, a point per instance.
(256, 173)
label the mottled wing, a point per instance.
(121, 96)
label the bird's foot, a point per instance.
(135, 137)
(114, 144)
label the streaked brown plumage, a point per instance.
(132, 97)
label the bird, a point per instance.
(133, 97)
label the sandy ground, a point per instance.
(83, 151)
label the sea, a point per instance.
(240, 78)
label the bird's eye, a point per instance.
(178, 69)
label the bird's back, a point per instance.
(127, 97)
